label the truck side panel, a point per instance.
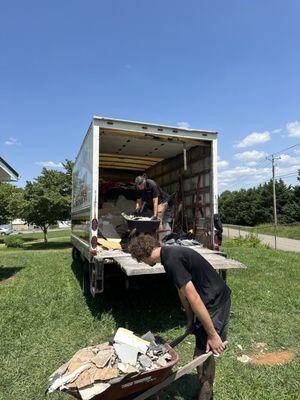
(83, 190)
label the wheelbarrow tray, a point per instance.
(132, 386)
(143, 226)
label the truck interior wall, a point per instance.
(168, 174)
(118, 175)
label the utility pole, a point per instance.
(272, 159)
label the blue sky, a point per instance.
(230, 66)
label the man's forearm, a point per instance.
(187, 308)
(198, 308)
(155, 206)
(202, 314)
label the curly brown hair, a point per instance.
(142, 246)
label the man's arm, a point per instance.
(188, 311)
(213, 341)
(155, 206)
(138, 204)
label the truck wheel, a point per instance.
(75, 254)
(86, 278)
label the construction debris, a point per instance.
(89, 392)
(244, 359)
(93, 370)
(135, 218)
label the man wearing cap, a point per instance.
(149, 193)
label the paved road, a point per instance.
(282, 243)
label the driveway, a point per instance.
(282, 243)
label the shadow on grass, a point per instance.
(150, 303)
(185, 388)
(48, 246)
(8, 272)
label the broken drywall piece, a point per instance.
(89, 392)
(67, 378)
(126, 353)
(102, 358)
(149, 337)
(84, 380)
(127, 337)
(105, 374)
(123, 367)
(161, 361)
(83, 355)
(244, 359)
(145, 361)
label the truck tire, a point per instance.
(86, 278)
(75, 254)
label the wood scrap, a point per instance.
(108, 244)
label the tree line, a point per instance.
(42, 202)
(255, 206)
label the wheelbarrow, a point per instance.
(141, 386)
(141, 225)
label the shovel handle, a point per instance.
(179, 339)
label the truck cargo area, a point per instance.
(183, 165)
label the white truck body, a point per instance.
(120, 149)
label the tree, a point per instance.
(10, 202)
(48, 198)
(255, 206)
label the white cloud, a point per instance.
(245, 176)
(293, 129)
(49, 164)
(253, 139)
(12, 142)
(287, 159)
(252, 163)
(250, 155)
(222, 164)
(183, 124)
(277, 130)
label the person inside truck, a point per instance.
(150, 195)
(203, 294)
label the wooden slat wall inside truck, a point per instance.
(167, 174)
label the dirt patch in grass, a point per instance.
(275, 358)
(11, 278)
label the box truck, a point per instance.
(112, 154)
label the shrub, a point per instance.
(248, 241)
(13, 241)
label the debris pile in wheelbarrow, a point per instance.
(92, 370)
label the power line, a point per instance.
(288, 148)
(292, 173)
(262, 164)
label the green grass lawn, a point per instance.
(289, 231)
(45, 319)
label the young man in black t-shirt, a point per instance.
(203, 294)
(154, 197)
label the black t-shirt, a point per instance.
(151, 191)
(183, 264)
